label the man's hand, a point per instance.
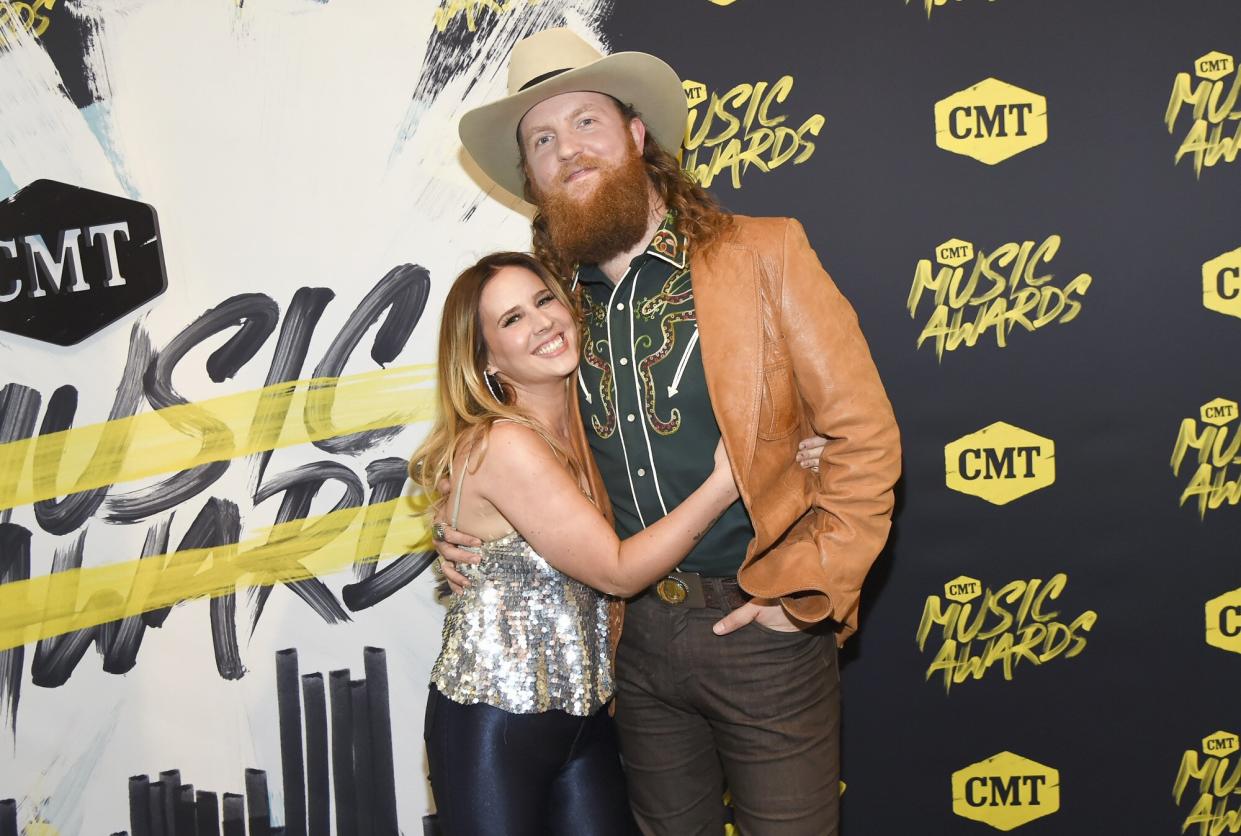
(809, 450)
(767, 613)
(449, 551)
(450, 555)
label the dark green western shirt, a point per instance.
(644, 398)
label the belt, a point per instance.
(690, 589)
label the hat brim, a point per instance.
(489, 133)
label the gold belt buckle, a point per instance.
(672, 590)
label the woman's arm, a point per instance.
(529, 486)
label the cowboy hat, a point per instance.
(557, 61)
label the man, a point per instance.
(700, 324)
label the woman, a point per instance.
(518, 736)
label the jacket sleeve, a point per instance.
(851, 500)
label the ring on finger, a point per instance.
(437, 531)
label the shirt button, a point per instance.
(641, 472)
(624, 361)
(629, 417)
(620, 306)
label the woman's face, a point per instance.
(530, 335)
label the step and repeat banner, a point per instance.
(228, 231)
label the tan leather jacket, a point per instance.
(784, 359)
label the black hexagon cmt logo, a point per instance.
(73, 261)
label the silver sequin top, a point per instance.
(524, 637)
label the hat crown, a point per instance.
(547, 52)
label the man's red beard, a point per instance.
(611, 219)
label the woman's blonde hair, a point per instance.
(467, 406)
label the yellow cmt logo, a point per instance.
(962, 589)
(1005, 791)
(954, 252)
(1218, 412)
(695, 92)
(991, 121)
(1221, 744)
(1214, 65)
(1221, 284)
(1000, 463)
(1224, 622)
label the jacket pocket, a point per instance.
(778, 414)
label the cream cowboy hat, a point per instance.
(557, 61)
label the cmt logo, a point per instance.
(695, 92)
(954, 252)
(1224, 623)
(1218, 412)
(1000, 463)
(1221, 744)
(991, 121)
(1214, 65)
(1005, 791)
(1221, 283)
(963, 589)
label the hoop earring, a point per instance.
(493, 386)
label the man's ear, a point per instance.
(637, 130)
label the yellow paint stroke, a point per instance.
(172, 439)
(60, 603)
(451, 9)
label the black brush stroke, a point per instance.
(458, 52)
(155, 808)
(19, 410)
(402, 293)
(318, 786)
(342, 753)
(258, 805)
(363, 777)
(218, 525)
(67, 515)
(56, 658)
(289, 710)
(207, 814)
(375, 661)
(171, 779)
(139, 817)
(286, 364)
(122, 654)
(14, 566)
(389, 579)
(234, 814)
(186, 815)
(8, 817)
(223, 610)
(386, 478)
(254, 315)
(300, 486)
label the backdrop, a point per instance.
(221, 269)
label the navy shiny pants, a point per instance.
(499, 774)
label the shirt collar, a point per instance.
(667, 244)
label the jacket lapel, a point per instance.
(727, 302)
